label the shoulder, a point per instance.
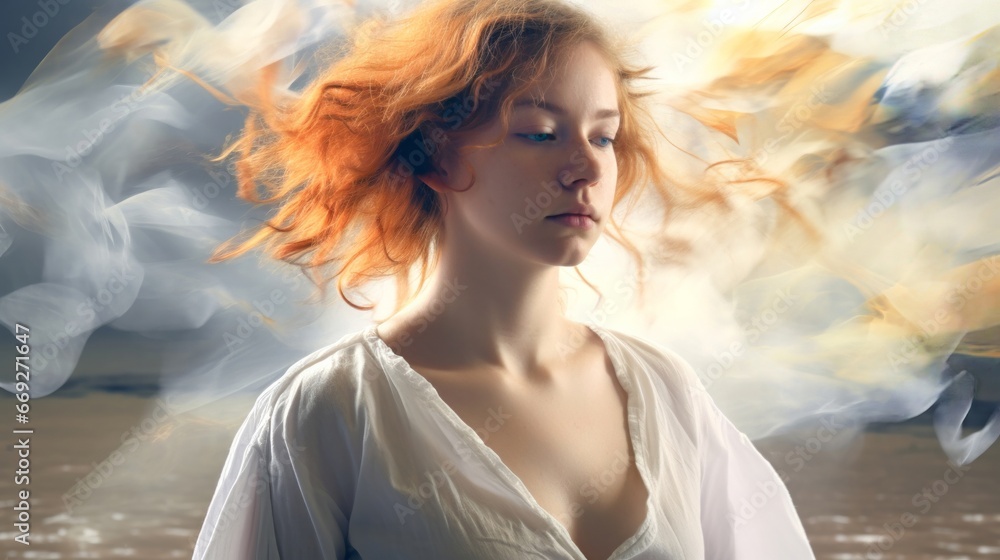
(325, 383)
(681, 402)
(664, 363)
(682, 388)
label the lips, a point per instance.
(578, 210)
(581, 221)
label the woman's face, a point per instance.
(557, 157)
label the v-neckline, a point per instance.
(637, 438)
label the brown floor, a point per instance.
(101, 491)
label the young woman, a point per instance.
(478, 421)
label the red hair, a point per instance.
(343, 159)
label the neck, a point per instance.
(488, 313)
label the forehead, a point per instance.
(525, 102)
(580, 81)
(581, 85)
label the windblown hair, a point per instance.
(343, 159)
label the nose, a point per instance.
(585, 166)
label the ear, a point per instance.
(443, 173)
(436, 180)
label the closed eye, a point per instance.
(609, 143)
(529, 136)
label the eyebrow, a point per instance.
(553, 108)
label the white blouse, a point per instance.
(353, 454)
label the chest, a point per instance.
(569, 444)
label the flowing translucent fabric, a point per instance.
(353, 454)
(881, 121)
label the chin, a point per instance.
(569, 258)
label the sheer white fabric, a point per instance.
(352, 454)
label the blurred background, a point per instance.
(890, 493)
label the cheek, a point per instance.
(492, 202)
(503, 188)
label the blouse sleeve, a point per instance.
(285, 490)
(239, 523)
(746, 511)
